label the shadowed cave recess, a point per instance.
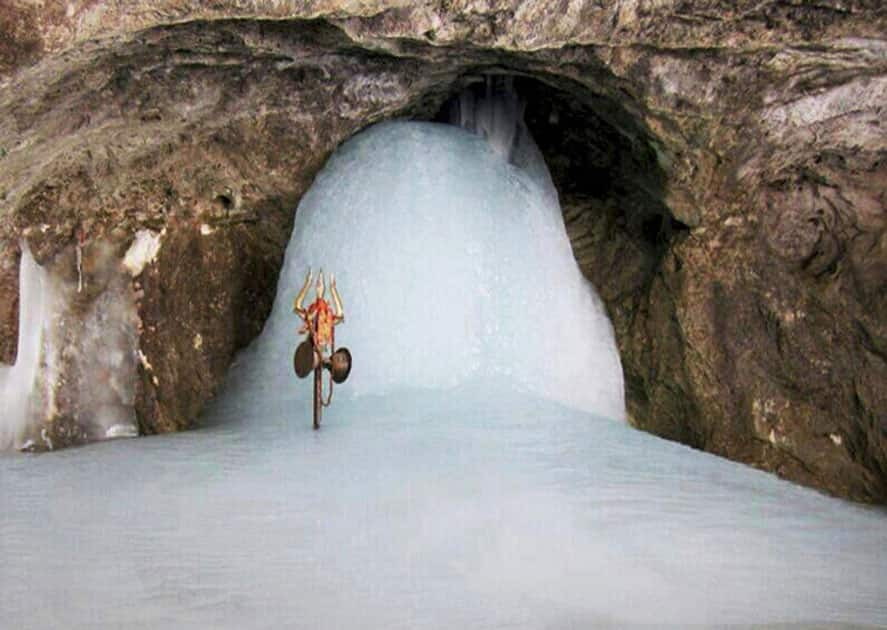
(204, 135)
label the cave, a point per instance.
(720, 170)
(721, 249)
(603, 161)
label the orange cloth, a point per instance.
(320, 316)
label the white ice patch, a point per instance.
(454, 266)
(18, 381)
(124, 430)
(142, 252)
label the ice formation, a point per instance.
(17, 382)
(142, 252)
(496, 115)
(74, 376)
(454, 265)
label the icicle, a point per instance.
(79, 268)
(18, 381)
(497, 116)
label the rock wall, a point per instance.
(721, 165)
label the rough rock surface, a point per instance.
(721, 165)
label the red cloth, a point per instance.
(320, 316)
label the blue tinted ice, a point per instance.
(454, 265)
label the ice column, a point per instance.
(454, 266)
(18, 381)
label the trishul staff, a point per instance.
(319, 321)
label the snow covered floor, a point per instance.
(517, 513)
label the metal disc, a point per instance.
(340, 365)
(303, 359)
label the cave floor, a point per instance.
(468, 510)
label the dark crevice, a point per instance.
(225, 202)
(601, 160)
